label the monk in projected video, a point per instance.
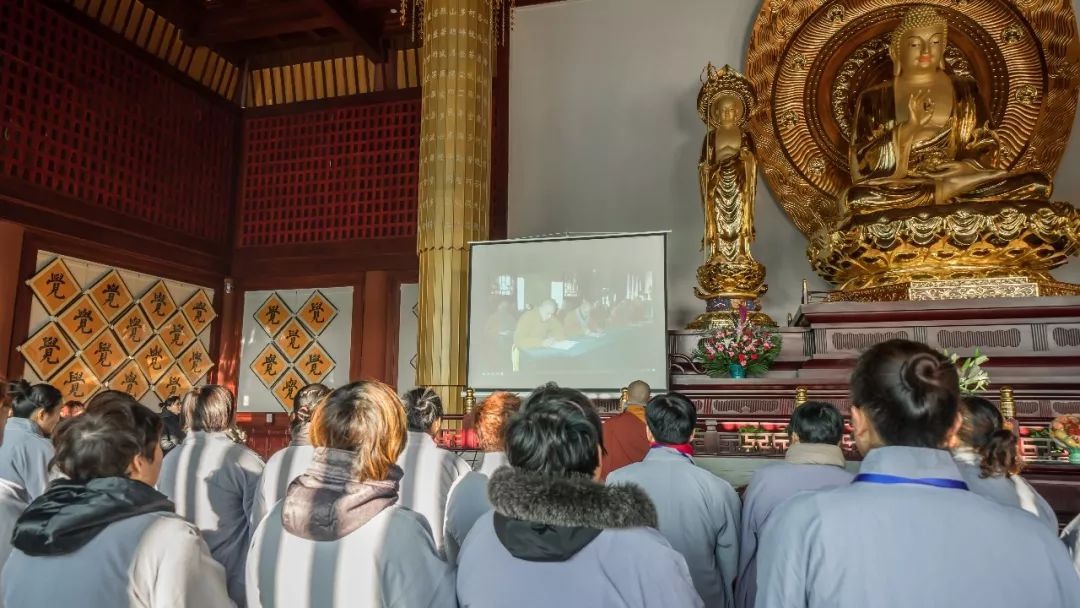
(538, 327)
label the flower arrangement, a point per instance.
(737, 348)
(973, 378)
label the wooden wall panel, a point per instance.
(345, 173)
(90, 130)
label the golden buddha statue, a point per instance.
(924, 138)
(727, 175)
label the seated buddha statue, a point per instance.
(923, 138)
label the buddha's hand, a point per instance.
(921, 107)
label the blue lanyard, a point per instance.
(937, 482)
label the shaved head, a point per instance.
(638, 392)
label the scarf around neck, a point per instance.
(328, 503)
(815, 453)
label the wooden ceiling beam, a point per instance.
(211, 33)
(364, 27)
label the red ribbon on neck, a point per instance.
(682, 448)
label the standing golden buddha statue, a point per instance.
(730, 277)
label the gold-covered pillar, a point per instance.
(454, 189)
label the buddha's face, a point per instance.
(727, 111)
(921, 50)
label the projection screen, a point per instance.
(586, 312)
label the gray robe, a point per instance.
(903, 545)
(282, 468)
(1009, 491)
(212, 480)
(1071, 537)
(25, 456)
(770, 487)
(430, 474)
(468, 501)
(625, 562)
(153, 560)
(389, 561)
(698, 514)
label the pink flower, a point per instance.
(753, 356)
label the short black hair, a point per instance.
(557, 431)
(671, 418)
(103, 441)
(27, 399)
(817, 422)
(909, 391)
(423, 407)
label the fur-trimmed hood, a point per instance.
(573, 501)
(543, 518)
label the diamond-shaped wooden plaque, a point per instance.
(131, 380)
(134, 329)
(158, 304)
(154, 359)
(315, 364)
(82, 321)
(172, 384)
(273, 314)
(47, 350)
(286, 388)
(195, 362)
(76, 381)
(269, 365)
(293, 339)
(317, 312)
(199, 311)
(104, 354)
(178, 334)
(54, 286)
(112, 296)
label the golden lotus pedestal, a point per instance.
(988, 250)
(726, 286)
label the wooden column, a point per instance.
(11, 245)
(455, 182)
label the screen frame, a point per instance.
(566, 237)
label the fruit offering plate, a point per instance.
(1065, 430)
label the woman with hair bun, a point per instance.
(908, 531)
(26, 451)
(430, 471)
(988, 457)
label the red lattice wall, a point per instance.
(340, 174)
(92, 121)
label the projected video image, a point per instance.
(584, 313)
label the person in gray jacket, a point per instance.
(559, 537)
(813, 461)
(907, 531)
(26, 449)
(213, 480)
(339, 539)
(988, 456)
(102, 537)
(698, 512)
(469, 500)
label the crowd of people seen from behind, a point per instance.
(109, 503)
